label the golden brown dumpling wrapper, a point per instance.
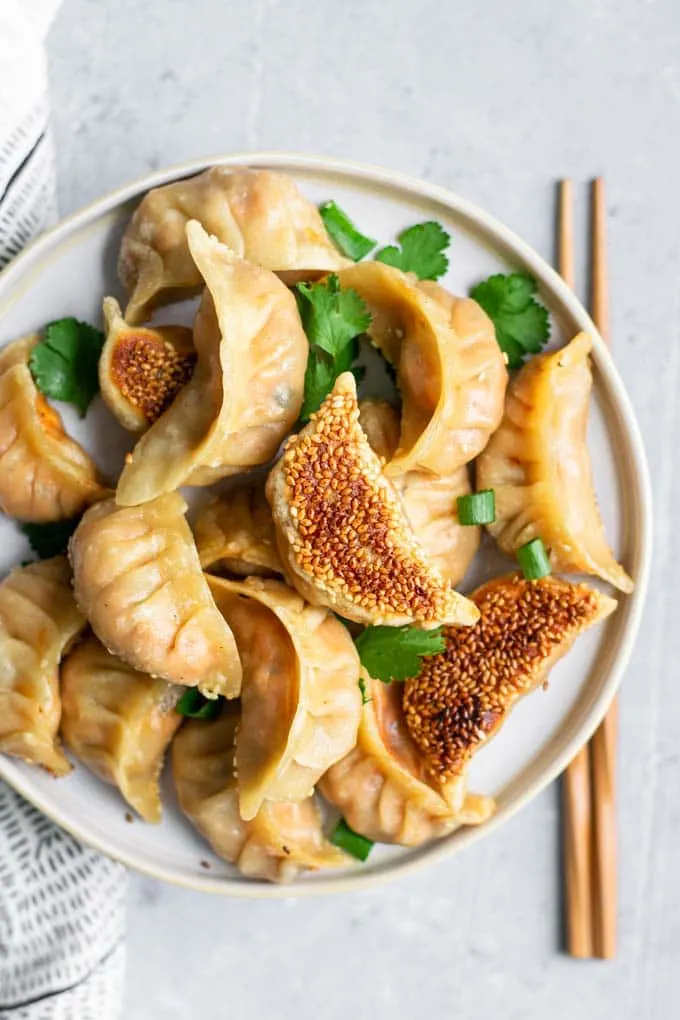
(260, 214)
(38, 621)
(342, 532)
(277, 844)
(138, 578)
(118, 722)
(463, 695)
(44, 474)
(300, 700)
(234, 534)
(430, 501)
(538, 465)
(450, 369)
(384, 790)
(246, 390)
(142, 369)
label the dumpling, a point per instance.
(277, 844)
(141, 369)
(538, 465)
(382, 787)
(300, 700)
(430, 501)
(234, 534)
(341, 531)
(38, 621)
(246, 390)
(137, 576)
(450, 369)
(44, 474)
(260, 214)
(463, 695)
(118, 722)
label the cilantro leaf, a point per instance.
(47, 540)
(332, 319)
(195, 705)
(364, 692)
(347, 239)
(422, 251)
(65, 364)
(522, 324)
(394, 653)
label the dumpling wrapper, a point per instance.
(38, 621)
(282, 839)
(382, 787)
(300, 699)
(538, 465)
(142, 369)
(235, 534)
(44, 474)
(450, 369)
(118, 722)
(463, 695)
(261, 215)
(138, 579)
(246, 390)
(342, 532)
(430, 501)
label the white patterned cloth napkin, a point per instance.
(62, 906)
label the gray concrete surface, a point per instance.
(496, 100)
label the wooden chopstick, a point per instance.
(590, 857)
(605, 740)
(576, 795)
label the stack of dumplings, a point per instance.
(306, 534)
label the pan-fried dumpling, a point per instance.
(341, 530)
(430, 501)
(538, 465)
(300, 700)
(463, 695)
(246, 390)
(277, 844)
(141, 369)
(118, 722)
(261, 215)
(137, 577)
(382, 787)
(38, 621)
(450, 369)
(234, 534)
(44, 474)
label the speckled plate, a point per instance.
(70, 269)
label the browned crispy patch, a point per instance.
(463, 695)
(149, 371)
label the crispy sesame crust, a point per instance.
(463, 695)
(341, 529)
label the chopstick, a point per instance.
(576, 798)
(605, 739)
(589, 792)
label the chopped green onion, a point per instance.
(350, 841)
(350, 241)
(196, 706)
(533, 559)
(477, 507)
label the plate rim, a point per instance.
(547, 278)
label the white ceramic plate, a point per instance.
(70, 269)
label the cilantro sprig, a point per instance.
(521, 322)
(65, 364)
(421, 252)
(394, 653)
(195, 705)
(332, 319)
(47, 540)
(347, 238)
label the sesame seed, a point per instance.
(149, 371)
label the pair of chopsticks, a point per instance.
(590, 864)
